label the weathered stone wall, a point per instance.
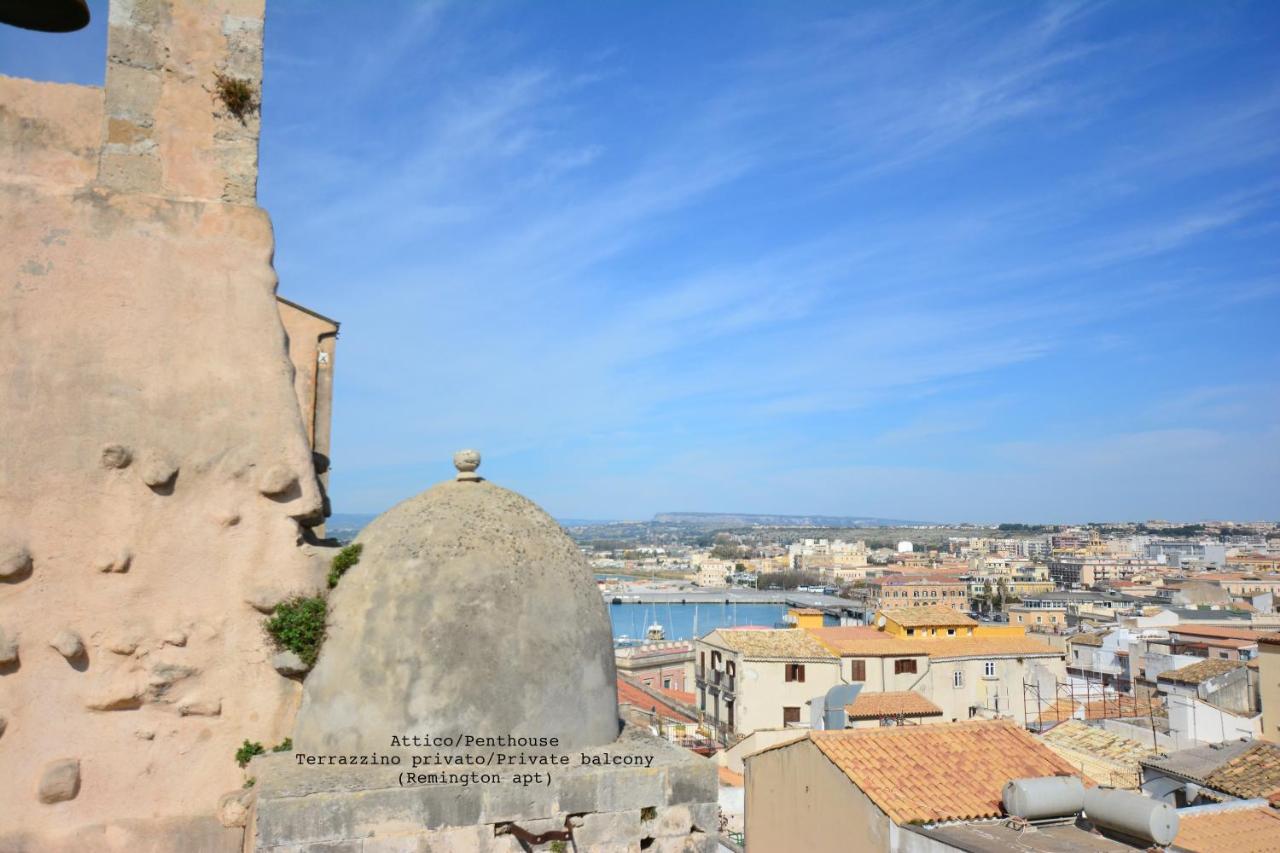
(668, 806)
(154, 465)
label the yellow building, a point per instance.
(805, 617)
(927, 621)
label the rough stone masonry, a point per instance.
(154, 468)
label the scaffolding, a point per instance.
(1043, 708)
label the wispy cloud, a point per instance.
(812, 235)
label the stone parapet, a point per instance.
(668, 805)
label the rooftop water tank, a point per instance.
(1132, 815)
(1043, 797)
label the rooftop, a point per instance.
(1104, 756)
(1198, 763)
(939, 772)
(861, 641)
(1201, 671)
(894, 703)
(1217, 632)
(931, 615)
(1003, 836)
(1253, 773)
(779, 643)
(1251, 827)
(973, 647)
(630, 693)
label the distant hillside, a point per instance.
(726, 519)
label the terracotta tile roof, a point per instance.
(894, 703)
(631, 694)
(861, 641)
(781, 643)
(1201, 671)
(938, 772)
(970, 647)
(1270, 639)
(678, 695)
(928, 616)
(1234, 830)
(1255, 773)
(1086, 639)
(1103, 756)
(730, 778)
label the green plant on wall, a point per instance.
(298, 626)
(342, 561)
(247, 751)
(236, 94)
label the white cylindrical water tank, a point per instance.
(1044, 797)
(1131, 814)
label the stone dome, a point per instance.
(469, 613)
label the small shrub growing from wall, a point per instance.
(237, 95)
(247, 751)
(298, 626)
(342, 561)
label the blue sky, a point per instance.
(941, 261)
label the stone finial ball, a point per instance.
(467, 461)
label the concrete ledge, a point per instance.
(303, 807)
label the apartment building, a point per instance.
(1094, 569)
(757, 678)
(918, 591)
(965, 676)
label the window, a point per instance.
(957, 678)
(951, 632)
(911, 632)
(1037, 619)
(790, 715)
(1222, 655)
(857, 670)
(901, 666)
(794, 672)
(666, 683)
(989, 668)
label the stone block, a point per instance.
(357, 814)
(578, 793)
(632, 788)
(670, 821)
(60, 781)
(507, 802)
(609, 828)
(696, 843)
(706, 817)
(693, 781)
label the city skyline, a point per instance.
(928, 262)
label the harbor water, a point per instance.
(678, 621)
